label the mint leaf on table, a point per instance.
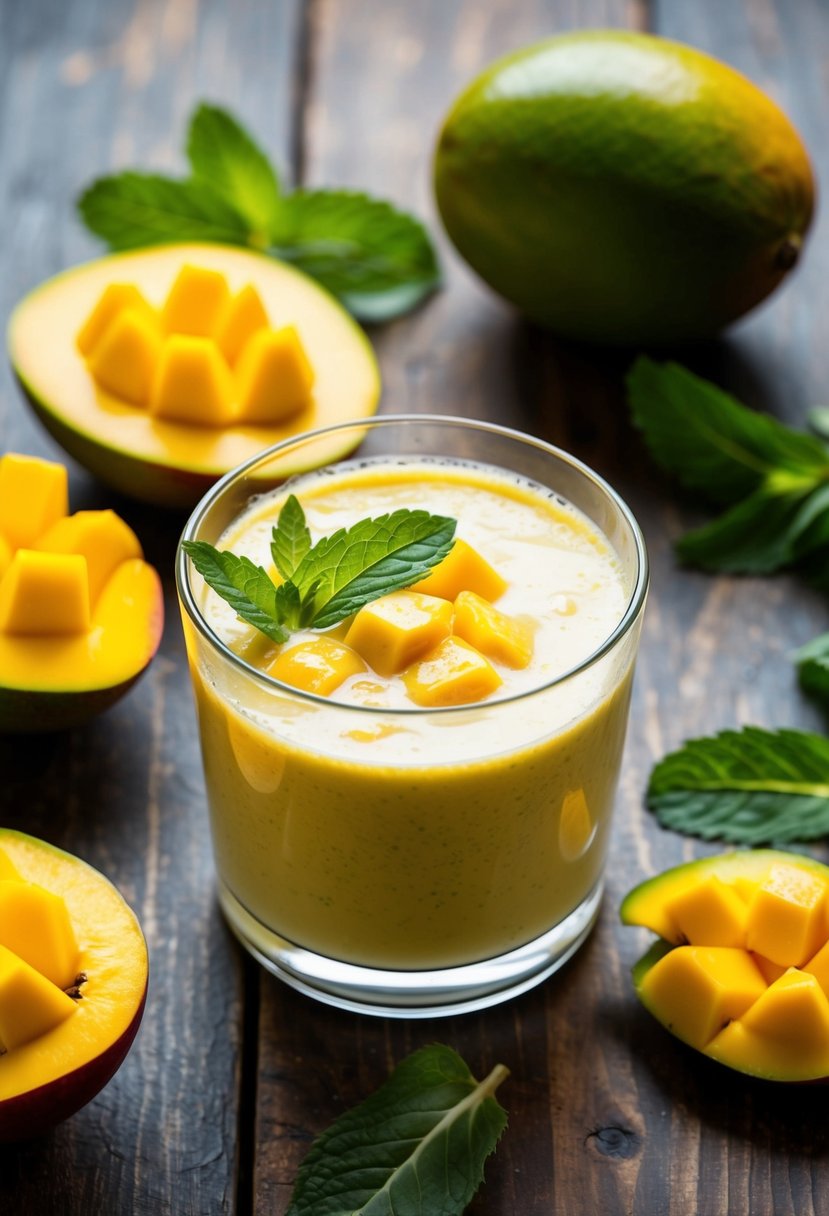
(416, 1147)
(749, 787)
(224, 158)
(368, 254)
(356, 565)
(327, 582)
(774, 479)
(813, 667)
(377, 260)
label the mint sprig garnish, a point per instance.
(377, 260)
(326, 582)
(773, 479)
(749, 787)
(417, 1145)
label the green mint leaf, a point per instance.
(131, 210)
(290, 539)
(709, 441)
(245, 586)
(359, 564)
(416, 1147)
(288, 605)
(225, 160)
(813, 667)
(377, 260)
(748, 787)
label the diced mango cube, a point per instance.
(710, 913)
(784, 1033)
(101, 537)
(318, 665)
(195, 302)
(33, 494)
(454, 673)
(192, 383)
(274, 376)
(818, 966)
(394, 630)
(239, 320)
(786, 920)
(5, 555)
(506, 639)
(115, 299)
(45, 593)
(124, 361)
(463, 569)
(7, 866)
(35, 924)
(698, 989)
(30, 1004)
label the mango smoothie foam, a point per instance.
(397, 859)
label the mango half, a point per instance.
(741, 972)
(81, 612)
(161, 457)
(73, 984)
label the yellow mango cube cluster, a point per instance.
(207, 357)
(441, 637)
(38, 959)
(53, 566)
(751, 984)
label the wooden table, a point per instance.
(233, 1074)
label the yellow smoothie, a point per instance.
(376, 833)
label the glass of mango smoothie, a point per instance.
(410, 810)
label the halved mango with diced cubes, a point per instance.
(73, 981)
(80, 610)
(169, 366)
(742, 970)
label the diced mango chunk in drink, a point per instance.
(698, 989)
(274, 376)
(454, 673)
(506, 639)
(463, 569)
(45, 593)
(239, 320)
(35, 924)
(318, 665)
(30, 1004)
(101, 537)
(124, 360)
(33, 494)
(115, 299)
(393, 631)
(192, 383)
(195, 302)
(710, 913)
(787, 916)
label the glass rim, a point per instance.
(184, 564)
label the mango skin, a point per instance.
(643, 906)
(623, 189)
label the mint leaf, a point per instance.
(291, 539)
(225, 160)
(709, 441)
(377, 260)
(245, 586)
(813, 667)
(374, 557)
(416, 1147)
(748, 787)
(131, 210)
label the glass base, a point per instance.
(412, 994)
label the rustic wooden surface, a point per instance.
(233, 1074)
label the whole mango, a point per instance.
(621, 188)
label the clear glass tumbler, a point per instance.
(388, 881)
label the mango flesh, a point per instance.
(724, 979)
(586, 177)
